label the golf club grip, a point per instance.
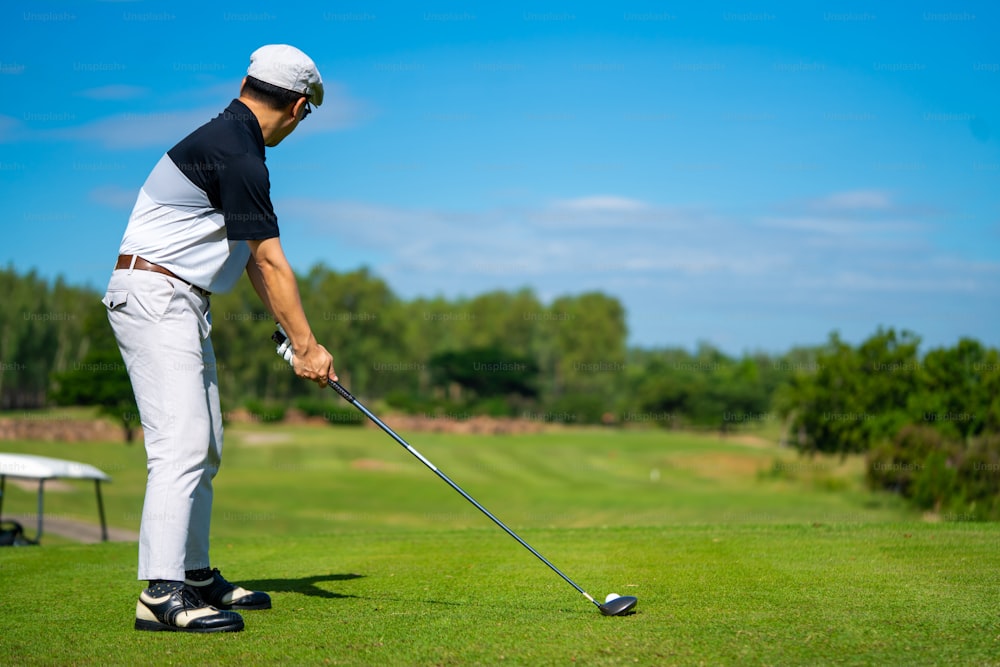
(340, 389)
(279, 337)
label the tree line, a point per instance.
(499, 353)
(929, 423)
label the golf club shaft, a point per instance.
(347, 396)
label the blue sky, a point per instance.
(750, 174)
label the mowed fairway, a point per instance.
(739, 553)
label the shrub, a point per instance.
(265, 412)
(897, 463)
(577, 408)
(333, 410)
(343, 416)
(312, 406)
(940, 474)
(979, 472)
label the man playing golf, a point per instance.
(202, 218)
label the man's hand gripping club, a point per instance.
(317, 367)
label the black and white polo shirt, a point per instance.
(203, 200)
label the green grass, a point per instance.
(739, 554)
(304, 480)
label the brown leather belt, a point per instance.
(125, 262)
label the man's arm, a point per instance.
(274, 282)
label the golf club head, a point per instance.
(619, 606)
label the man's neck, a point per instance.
(267, 118)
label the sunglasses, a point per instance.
(307, 111)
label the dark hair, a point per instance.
(273, 96)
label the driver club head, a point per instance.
(619, 606)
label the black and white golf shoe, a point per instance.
(219, 593)
(183, 611)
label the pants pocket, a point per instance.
(205, 323)
(115, 298)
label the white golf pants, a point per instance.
(162, 326)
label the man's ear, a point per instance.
(297, 107)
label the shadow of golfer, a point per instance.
(303, 585)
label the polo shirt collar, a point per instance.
(241, 112)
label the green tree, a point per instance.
(589, 339)
(361, 321)
(40, 332)
(957, 390)
(705, 389)
(855, 396)
(245, 361)
(584, 357)
(661, 384)
(487, 372)
(505, 320)
(433, 325)
(355, 315)
(100, 378)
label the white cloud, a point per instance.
(642, 241)
(130, 130)
(115, 92)
(113, 196)
(602, 204)
(707, 250)
(11, 129)
(609, 213)
(854, 200)
(135, 130)
(340, 111)
(843, 226)
(859, 221)
(901, 283)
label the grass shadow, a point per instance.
(308, 586)
(304, 585)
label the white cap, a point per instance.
(286, 67)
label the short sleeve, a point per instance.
(245, 193)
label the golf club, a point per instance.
(617, 606)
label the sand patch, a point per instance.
(373, 464)
(719, 466)
(264, 439)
